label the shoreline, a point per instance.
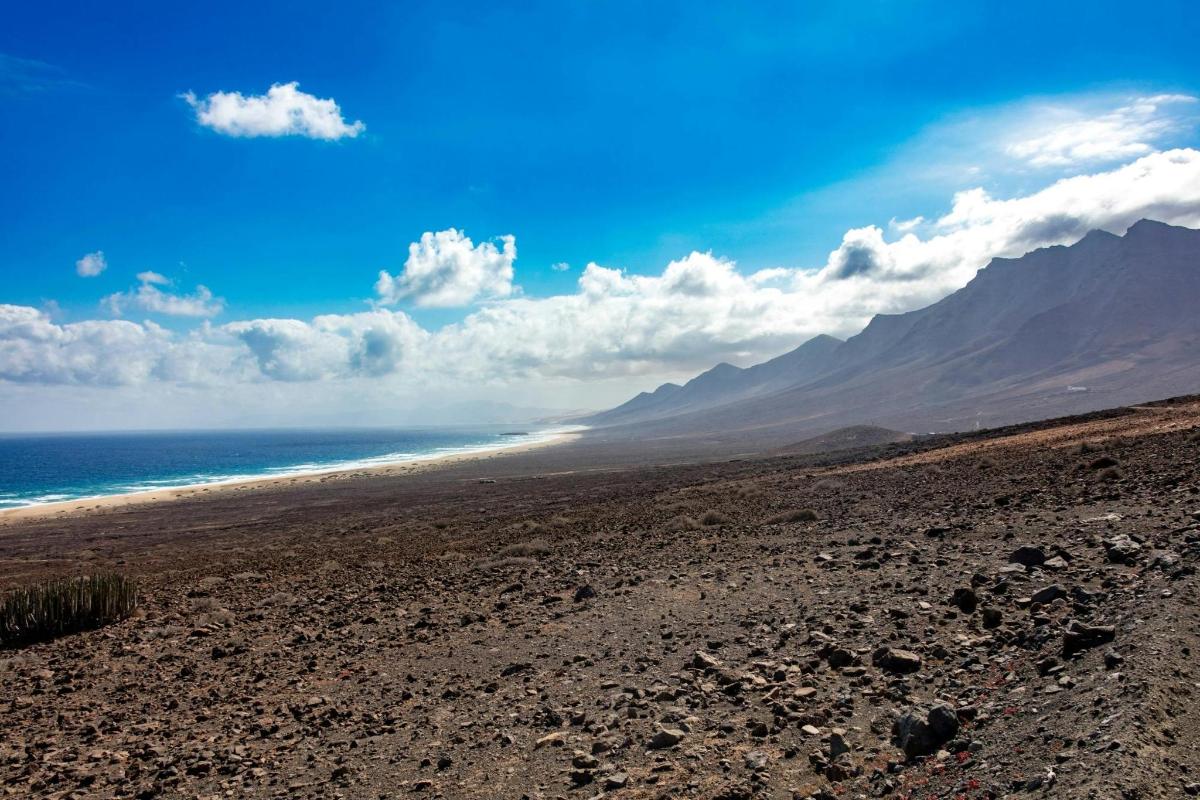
(87, 505)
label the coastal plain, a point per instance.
(1002, 613)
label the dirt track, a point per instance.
(644, 632)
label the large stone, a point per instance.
(666, 737)
(1079, 636)
(1028, 556)
(922, 733)
(839, 657)
(966, 599)
(893, 660)
(1049, 594)
(1121, 549)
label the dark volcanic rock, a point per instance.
(1079, 636)
(965, 599)
(921, 732)
(1028, 556)
(1122, 549)
(893, 660)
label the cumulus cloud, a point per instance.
(869, 274)
(560, 266)
(1070, 136)
(283, 111)
(697, 310)
(447, 269)
(91, 265)
(330, 346)
(33, 349)
(149, 297)
(701, 309)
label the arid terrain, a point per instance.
(1007, 613)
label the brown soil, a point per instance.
(642, 631)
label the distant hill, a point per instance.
(726, 383)
(1110, 320)
(848, 438)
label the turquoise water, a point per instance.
(47, 468)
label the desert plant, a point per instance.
(795, 515)
(58, 607)
(986, 463)
(530, 549)
(1104, 462)
(714, 517)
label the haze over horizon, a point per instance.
(406, 216)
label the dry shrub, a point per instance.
(164, 632)
(987, 463)
(714, 517)
(217, 616)
(1109, 474)
(829, 485)
(683, 523)
(530, 549)
(1103, 462)
(506, 563)
(279, 599)
(795, 515)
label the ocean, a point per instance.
(48, 468)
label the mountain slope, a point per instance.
(1106, 321)
(726, 383)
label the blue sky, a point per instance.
(628, 135)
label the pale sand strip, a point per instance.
(90, 504)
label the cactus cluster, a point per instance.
(57, 607)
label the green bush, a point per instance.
(68, 605)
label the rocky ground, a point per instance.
(1008, 614)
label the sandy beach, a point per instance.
(397, 468)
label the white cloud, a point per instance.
(906, 225)
(283, 111)
(560, 266)
(331, 346)
(446, 269)
(148, 297)
(91, 264)
(33, 349)
(153, 277)
(701, 309)
(698, 310)
(1068, 136)
(883, 276)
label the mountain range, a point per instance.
(1109, 320)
